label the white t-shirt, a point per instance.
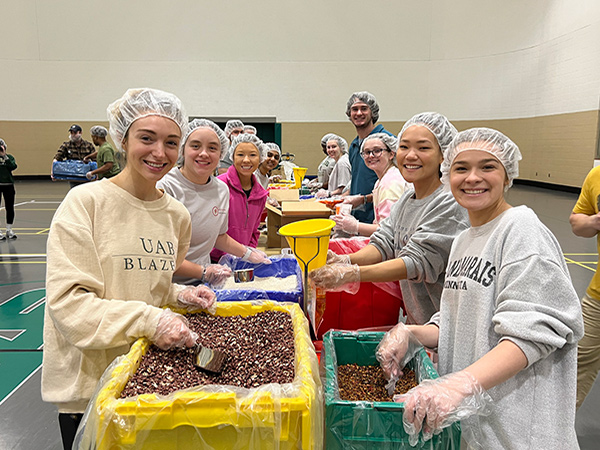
(208, 205)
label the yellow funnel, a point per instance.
(299, 173)
(309, 240)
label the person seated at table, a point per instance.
(247, 198)
(379, 152)
(341, 174)
(413, 243)
(207, 199)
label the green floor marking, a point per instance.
(15, 367)
(22, 321)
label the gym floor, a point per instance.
(28, 423)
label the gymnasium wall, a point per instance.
(530, 68)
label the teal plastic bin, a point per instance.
(371, 425)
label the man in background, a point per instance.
(108, 166)
(363, 111)
(76, 148)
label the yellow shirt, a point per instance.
(588, 203)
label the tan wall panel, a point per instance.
(557, 149)
(34, 144)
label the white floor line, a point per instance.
(20, 384)
(33, 306)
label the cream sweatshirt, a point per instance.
(110, 261)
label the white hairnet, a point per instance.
(3, 144)
(365, 97)
(249, 128)
(341, 142)
(232, 125)
(486, 140)
(250, 138)
(325, 138)
(390, 142)
(205, 123)
(98, 130)
(270, 147)
(438, 124)
(143, 102)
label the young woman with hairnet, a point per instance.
(325, 167)
(207, 199)
(233, 128)
(112, 249)
(413, 243)
(379, 153)
(509, 321)
(247, 198)
(341, 174)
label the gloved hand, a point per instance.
(314, 184)
(274, 178)
(441, 402)
(395, 350)
(322, 193)
(346, 223)
(256, 256)
(271, 201)
(337, 277)
(196, 297)
(173, 331)
(216, 274)
(354, 200)
(334, 258)
(90, 175)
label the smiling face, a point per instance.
(419, 158)
(152, 147)
(377, 156)
(271, 161)
(201, 155)
(477, 180)
(246, 158)
(333, 149)
(361, 115)
(235, 133)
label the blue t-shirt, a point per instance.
(363, 178)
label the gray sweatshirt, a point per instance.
(508, 279)
(421, 233)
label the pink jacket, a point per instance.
(244, 212)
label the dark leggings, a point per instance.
(8, 192)
(68, 427)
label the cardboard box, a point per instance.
(291, 212)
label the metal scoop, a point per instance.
(209, 359)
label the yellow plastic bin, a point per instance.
(281, 416)
(299, 173)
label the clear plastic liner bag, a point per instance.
(281, 280)
(219, 417)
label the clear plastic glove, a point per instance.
(322, 193)
(216, 274)
(256, 256)
(199, 296)
(337, 277)
(334, 258)
(274, 178)
(354, 200)
(395, 350)
(173, 331)
(271, 201)
(346, 223)
(435, 404)
(314, 184)
(90, 176)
